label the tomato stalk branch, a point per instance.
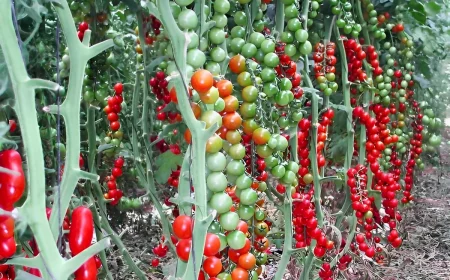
(200, 135)
(349, 124)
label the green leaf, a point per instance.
(167, 162)
(103, 147)
(432, 8)
(420, 17)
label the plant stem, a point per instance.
(287, 245)
(199, 137)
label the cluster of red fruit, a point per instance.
(174, 177)
(114, 107)
(288, 68)
(113, 193)
(159, 86)
(355, 58)
(372, 58)
(324, 67)
(415, 151)
(81, 29)
(260, 173)
(325, 272)
(305, 224)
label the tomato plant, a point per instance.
(211, 114)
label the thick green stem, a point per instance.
(287, 245)
(200, 135)
(349, 125)
(279, 17)
(53, 265)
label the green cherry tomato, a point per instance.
(196, 58)
(263, 151)
(246, 212)
(249, 50)
(248, 196)
(236, 239)
(214, 227)
(256, 39)
(238, 32)
(187, 19)
(218, 54)
(237, 151)
(243, 182)
(216, 181)
(240, 18)
(271, 60)
(250, 94)
(221, 6)
(221, 202)
(229, 220)
(235, 167)
(278, 171)
(216, 35)
(248, 110)
(305, 48)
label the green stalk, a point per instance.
(288, 232)
(279, 17)
(350, 131)
(92, 168)
(200, 135)
(53, 266)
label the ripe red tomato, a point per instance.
(237, 64)
(183, 249)
(13, 185)
(239, 274)
(202, 81)
(182, 227)
(81, 230)
(87, 271)
(212, 245)
(212, 266)
(247, 261)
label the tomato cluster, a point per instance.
(82, 27)
(12, 188)
(114, 107)
(80, 238)
(113, 193)
(324, 67)
(355, 57)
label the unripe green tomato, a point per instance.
(240, 18)
(214, 69)
(217, 35)
(218, 54)
(278, 171)
(187, 19)
(196, 58)
(263, 151)
(290, 50)
(249, 50)
(235, 167)
(268, 46)
(291, 11)
(305, 48)
(229, 220)
(237, 32)
(246, 212)
(221, 202)
(216, 181)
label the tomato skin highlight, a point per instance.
(81, 231)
